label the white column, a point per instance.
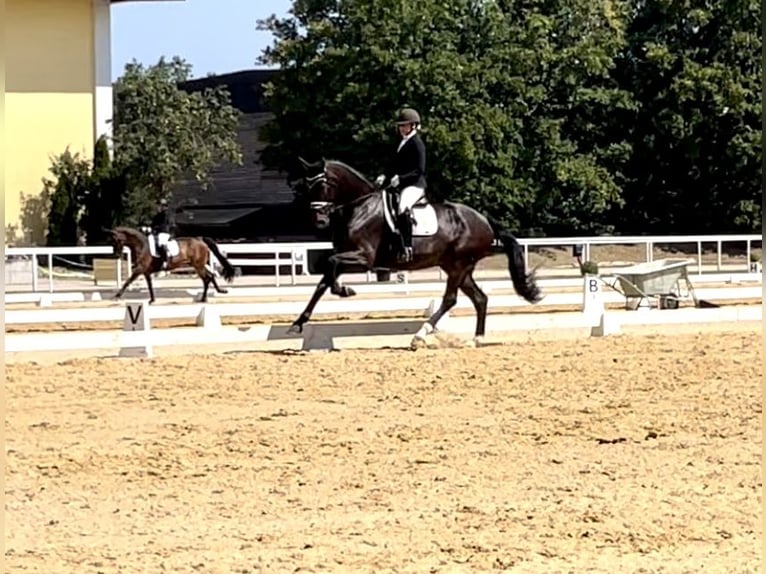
(102, 60)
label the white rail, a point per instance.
(489, 286)
(337, 306)
(297, 253)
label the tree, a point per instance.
(66, 194)
(695, 71)
(517, 98)
(162, 133)
(103, 203)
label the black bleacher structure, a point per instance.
(244, 203)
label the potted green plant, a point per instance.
(755, 263)
(589, 268)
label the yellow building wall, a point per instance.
(48, 102)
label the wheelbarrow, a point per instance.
(662, 283)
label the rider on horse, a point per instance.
(407, 174)
(162, 225)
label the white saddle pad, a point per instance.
(172, 246)
(426, 221)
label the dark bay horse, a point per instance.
(355, 210)
(194, 252)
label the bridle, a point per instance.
(326, 207)
(319, 206)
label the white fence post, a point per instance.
(35, 273)
(50, 272)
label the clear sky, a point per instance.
(214, 36)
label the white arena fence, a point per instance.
(138, 338)
(303, 292)
(296, 255)
(329, 306)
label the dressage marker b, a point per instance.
(136, 323)
(593, 300)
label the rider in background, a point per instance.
(407, 174)
(161, 228)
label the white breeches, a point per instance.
(162, 239)
(409, 196)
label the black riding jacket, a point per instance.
(162, 222)
(409, 163)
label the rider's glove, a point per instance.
(379, 180)
(395, 181)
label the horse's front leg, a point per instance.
(133, 276)
(297, 326)
(336, 264)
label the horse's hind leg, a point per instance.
(479, 300)
(205, 276)
(454, 279)
(215, 285)
(150, 286)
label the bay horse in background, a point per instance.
(449, 235)
(192, 252)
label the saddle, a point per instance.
(172, 247)
(424, 220)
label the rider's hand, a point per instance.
(379, 180)
(395, 181)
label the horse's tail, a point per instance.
(524, 283)
(228, 270)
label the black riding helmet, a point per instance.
(407, 116)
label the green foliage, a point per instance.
(557, 117)
(66, 194)
(589, 268)
(103, 204)
(695, 73)
(162, 133)
(516, 101)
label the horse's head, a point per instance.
(329, 183)
(116, 239)
(122, 237)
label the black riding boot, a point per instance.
(162, 251)
(404, 224)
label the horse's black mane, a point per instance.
(352, 170)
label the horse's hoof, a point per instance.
(295, 329)
(117, 297)
(151, 301)
(348, 292)
(223, 291)
(418, 342)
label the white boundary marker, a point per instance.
(332, 306)
(361, 334)
(137, 321)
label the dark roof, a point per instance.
(248, 184)
(245, 87)
(213, 216)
